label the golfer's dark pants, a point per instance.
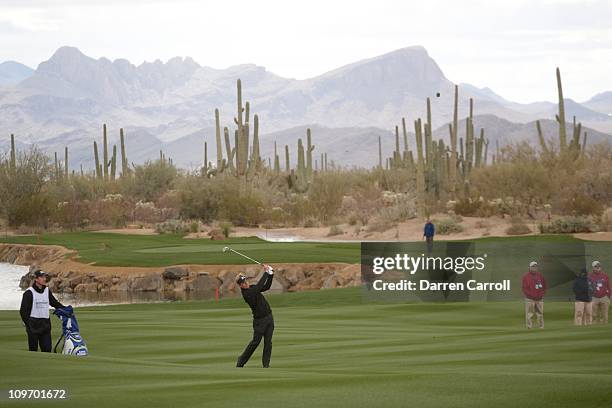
(43, 340)
(263, 327)
(429, 244)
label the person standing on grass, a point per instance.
(428, 234)
(263, 322)
(601, 293)
(34, 312)
(583, 291)
(534, 289)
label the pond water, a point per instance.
(10, 293)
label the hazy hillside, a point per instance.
(170, 106)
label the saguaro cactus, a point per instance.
(13, 163)
(218, 139)
(113, 169)
(453, 139)
(97, 161)
(561, 115)
(105, 164)
(309, 149)
(66, 162)
(124, 160)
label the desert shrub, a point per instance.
(172, 227)
(482, 224)
(448, 226)
(568, 225)
(379, 225)
(311, 222)
(197, 199)
(326, 193)
(517, 227)
(194, 227)
(401, 211)
(335, 230)
(473, 208)
(581, 204)
(152, 179)
(606, 220)
(226, 228)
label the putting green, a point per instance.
(105, 249)
(330, 349)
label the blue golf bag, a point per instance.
(73, 342)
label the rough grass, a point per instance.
(330, 350)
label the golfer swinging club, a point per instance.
(263, 322)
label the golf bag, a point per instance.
(73, 342)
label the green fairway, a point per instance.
(330, 349)
(107, 249)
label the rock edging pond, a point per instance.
(71, 277)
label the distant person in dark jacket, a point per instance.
(428, 234)
(601, 293)
(263, 322)
(534, 289)
(34, 312)
(583, 306)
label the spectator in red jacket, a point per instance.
(601, 294)
(534, 289)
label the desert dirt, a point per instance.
(129, 231)
(411, 230)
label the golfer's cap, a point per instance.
(241, 279)
(533, 263)
(595, 264)
(38, 273)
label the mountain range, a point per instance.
(170, 106)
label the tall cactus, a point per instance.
(218, 139)
(309, 149)
(276, 160)
(105, 164)
(228, 147)
(287, 164)
(205, 165)
(420, 174)
(113, 168)
(453, 140)
(97, 161)
(13, 163)
(379, 153)
(255, 156)
(561, 115)
(66, 162)
(124, 160)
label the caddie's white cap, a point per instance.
(595, 263)
(533, 263)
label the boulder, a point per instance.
(86, 287)
(205, 283)
(175, 273)
(293, 275)
(149, 283)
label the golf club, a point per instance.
(225, 249)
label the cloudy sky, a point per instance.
(510, 46)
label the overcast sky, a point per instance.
(510, 46)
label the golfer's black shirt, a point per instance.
(256, 301)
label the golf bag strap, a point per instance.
(58, 341)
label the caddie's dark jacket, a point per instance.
(33, 324)
(256, 301)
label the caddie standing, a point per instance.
(34, 312)
(601, 293)
(534, 289)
